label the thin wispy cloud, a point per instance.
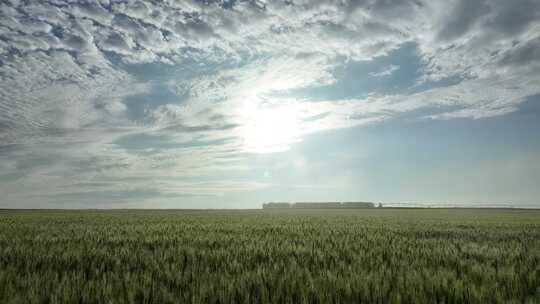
(386, 71)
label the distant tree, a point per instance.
(380, 205)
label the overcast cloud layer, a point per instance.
(111, 102)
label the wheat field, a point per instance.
(270, 256)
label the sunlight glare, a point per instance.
(270, 129)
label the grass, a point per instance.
(270, 256)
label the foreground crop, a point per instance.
(271, 256)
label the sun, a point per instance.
(269, 129)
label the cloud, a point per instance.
(235, 70)
(523, 54)
(386, 71)
(463, 17)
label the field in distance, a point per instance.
(270, 256)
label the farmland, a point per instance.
(270, 256)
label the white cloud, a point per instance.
(386, 71)
(61, 81)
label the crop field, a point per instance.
(270, 256)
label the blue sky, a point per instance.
(229, 104)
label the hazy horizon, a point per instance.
(231, 104)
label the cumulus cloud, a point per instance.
(67, 71)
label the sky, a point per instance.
(231, 104)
